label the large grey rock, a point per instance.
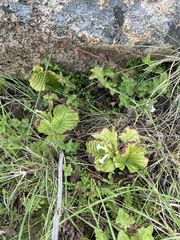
(81, 33)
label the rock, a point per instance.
(78, 34)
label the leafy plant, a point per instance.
(134, 86)
(55, 124)
(107, 157)
(10, 126)
(125, 222)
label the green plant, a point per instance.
(126, 222)
(115, 205)
(8, 127)
(134, 86)
(56, 123)
(107, 156)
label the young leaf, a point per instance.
(64, 119)
(124, 219)
(129, 135)
(122, 235)
(132, 157)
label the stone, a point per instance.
(78, 34)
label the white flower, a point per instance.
(100, 147)
(101, 161)
(152, 109)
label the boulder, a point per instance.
(78, 34)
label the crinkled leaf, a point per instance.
(132, 157)
(124, 219)
(64, 119)
(107, 137)
(129, 135)
(122, 235)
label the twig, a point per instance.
(57, 214)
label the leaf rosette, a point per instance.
(107, 156)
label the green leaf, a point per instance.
(122, 235)
(134, 238)
(72, 100)
(129, 135)
(104, 150)
(124, 219)
(147, 60)
(37, 80)
(128, 85)
(144, 89)
(103, 155)
(132, 157)
(107, 137)
(67, 170)
(64, 119)
(98, 73)
(45, 127)
(40, 78)
(71, 147)
(100, 235)
(125, 101)
(104, 164)
(145, 233)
